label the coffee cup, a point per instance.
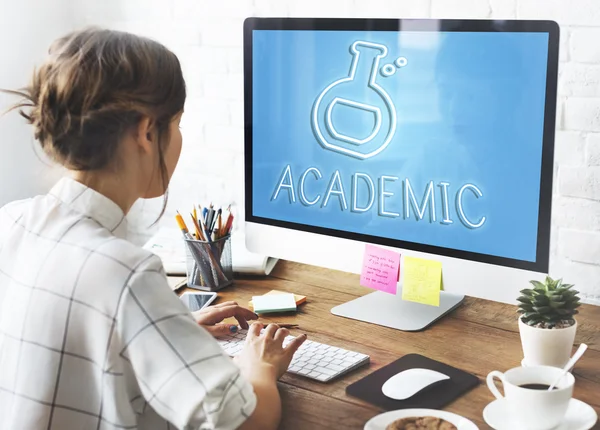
(529, 404)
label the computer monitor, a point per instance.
(434, 138)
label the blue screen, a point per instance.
(427, 137)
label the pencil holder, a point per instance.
(208, 264)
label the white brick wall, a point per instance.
(207, 36)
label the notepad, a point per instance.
(274, 303)
(299, 299)
(422, 281)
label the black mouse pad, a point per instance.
(435, 396)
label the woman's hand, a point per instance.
(265, 352)
(210, 318)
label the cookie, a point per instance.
(420, 423)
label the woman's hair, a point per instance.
(95, 86)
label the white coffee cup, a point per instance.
(529, 408)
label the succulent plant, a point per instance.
(549, 304)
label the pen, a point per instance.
(281, 325)
(209, 217)
(205, 230)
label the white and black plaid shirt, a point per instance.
(91, 335)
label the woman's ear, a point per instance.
(144, 135)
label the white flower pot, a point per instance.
(546, 347)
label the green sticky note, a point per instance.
(274, 303)
(422, 281)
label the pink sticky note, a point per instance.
(380, 269)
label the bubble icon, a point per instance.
(389, 69)
(401, 62)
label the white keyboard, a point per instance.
(313, 360)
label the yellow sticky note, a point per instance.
(422, 281)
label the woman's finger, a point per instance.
(293, 346)
(219, 314)
(271, 330)
(243, 323)
(219, 330)
(220, 305)
(280, 335)
(254, 330)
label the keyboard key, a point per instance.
(325, 371)
(334, 367)
(314, 375)
(337, 361)
(322, 377)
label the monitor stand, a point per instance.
(391, 311)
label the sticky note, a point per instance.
(299, 299)
(380, 269)
(274, 303)
(422, 281)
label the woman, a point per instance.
(91, 336)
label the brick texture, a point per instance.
(207, 37)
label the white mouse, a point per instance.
(409, 382)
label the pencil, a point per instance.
(219, 223)
(182, 226)
(197, 227)
(229, 224)
(224, 230)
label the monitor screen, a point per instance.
(428, 140)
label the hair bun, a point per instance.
(94, 87)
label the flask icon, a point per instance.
(359, 90)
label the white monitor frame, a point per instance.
(482, 280)
(478, 275)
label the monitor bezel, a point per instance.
(541, 263)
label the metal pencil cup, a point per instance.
(208, 264)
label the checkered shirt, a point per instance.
(91, 336)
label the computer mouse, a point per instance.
(409, 382)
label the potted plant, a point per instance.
(547, 324)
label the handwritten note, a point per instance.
(380, 269)
(422, 281)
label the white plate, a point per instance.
(580, 416)
(381, 421)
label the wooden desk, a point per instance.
(479, 337)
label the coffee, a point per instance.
(542, 387)
(528, 401)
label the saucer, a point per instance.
(579, 416)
